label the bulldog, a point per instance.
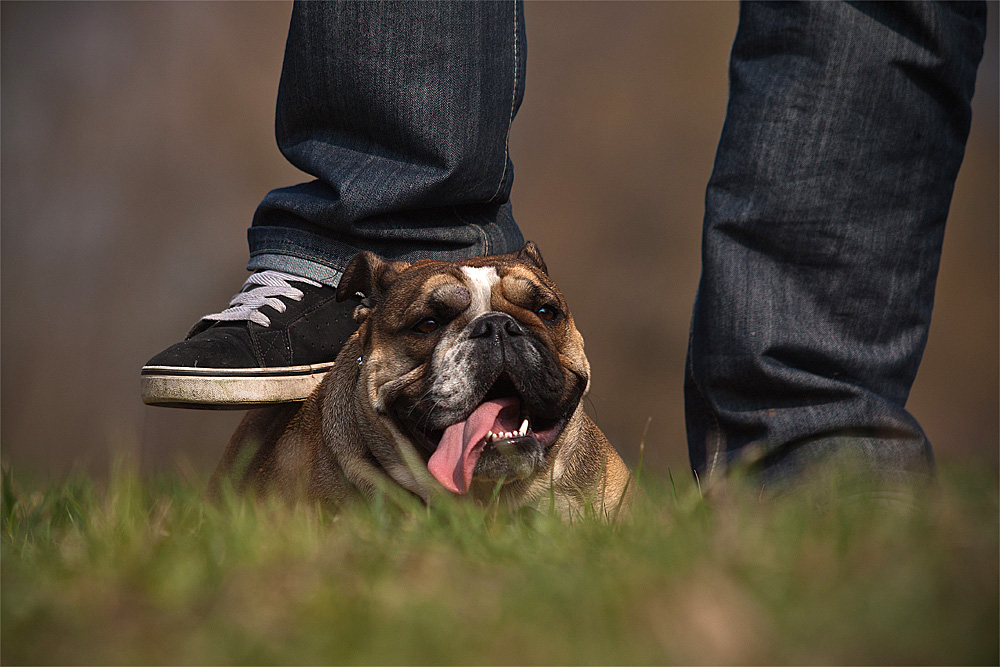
(463, 377)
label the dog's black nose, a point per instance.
(491, 326)
(513, 327)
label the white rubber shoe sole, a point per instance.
(229, 388)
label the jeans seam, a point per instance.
(713, 442)
(513, 100)
(485, 238)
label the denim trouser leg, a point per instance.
(400, 110)
(825, 215)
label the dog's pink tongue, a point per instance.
(455, 459)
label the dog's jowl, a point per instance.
(464, 377)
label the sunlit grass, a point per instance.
(142, 571)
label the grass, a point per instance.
(144, 571)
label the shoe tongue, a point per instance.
(454, 460)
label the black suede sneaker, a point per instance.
(274, 344)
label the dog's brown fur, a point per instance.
(343, 442)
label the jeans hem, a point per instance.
(288, 262)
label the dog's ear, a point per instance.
(370, 275)
(530, 254)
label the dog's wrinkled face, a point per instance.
(477, 362)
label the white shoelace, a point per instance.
(262, 289)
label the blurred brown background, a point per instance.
(137, 139)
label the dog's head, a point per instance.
(477, 362)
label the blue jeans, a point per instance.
(825, 211)
(401, 111)
(824, 218)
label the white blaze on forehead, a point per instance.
(480, 282)
(453, 358)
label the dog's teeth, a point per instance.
(524, 427)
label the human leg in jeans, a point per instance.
(400, 111)
(825, 215)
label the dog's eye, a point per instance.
(426, 325)
(547, 313)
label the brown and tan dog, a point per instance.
(467, 377)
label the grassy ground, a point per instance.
(144, 571)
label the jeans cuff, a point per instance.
(297, 266)
(298, 252)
